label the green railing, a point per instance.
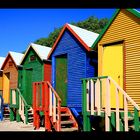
(97, 101)
(18, 102)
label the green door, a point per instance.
(28, 83)
(61, 78)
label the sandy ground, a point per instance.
(6, 125)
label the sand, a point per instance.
(6, 125)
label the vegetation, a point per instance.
(92, 24)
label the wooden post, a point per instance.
(11, 115)
(98, 97)
(59, 116)
(125, 114)
(43, 95)
(92, 97)
(47, 102)
(11, 111)
(136, 119)
(117, 111)
(34, 105)
(87, 94)
(17, 115)
(86, 119)
(11, 96)
(107, 109)
(50, 105)
(54, 108)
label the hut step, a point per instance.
(67, 122)
(69, 129)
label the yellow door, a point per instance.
(113, 67)
(6, 87)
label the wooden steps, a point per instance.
(69, 129)
(68, 122)
(30, 115)
(100, 120)
(6, 112)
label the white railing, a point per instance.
(13, 96)
(54, 107)
(22, 109)
(94, 100)
(22, 105)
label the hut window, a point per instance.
(32, 58)
(10, 63)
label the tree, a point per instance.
(92, 24)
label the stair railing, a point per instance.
(47, 100)
(92, 102)
(54, 107)
(18, 101)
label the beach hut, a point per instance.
(10, 73)
(118, 51)
(35, 67)
(1, 90)
(118, 70)
(72, 60)
(1, 73)
(9, 68)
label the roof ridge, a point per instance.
(39, 45)
(133, 11)
(82, 28)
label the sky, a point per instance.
(20, 27)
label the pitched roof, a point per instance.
(41, 51)
(1, 61)
(85, 37)
(16, 57)
(133, 11)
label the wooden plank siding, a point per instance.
(37, 74)
(13, 79)
(13, 73)
(78, 67)
(35, 70)
(126, 27)
(1, 74)
(1, 82)
(47, 71)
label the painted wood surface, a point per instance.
(47, 71)
(6, 88)
(78, 66)
(1, 74)
(61, 78)
(32, 71)
(10, 78)
(125, 27)
(113, 66)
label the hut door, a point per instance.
(61, 78)
(6, 87)
(28, 88)
(113, 66)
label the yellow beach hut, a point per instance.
(115, 93)
(1, 73)
(118, 52)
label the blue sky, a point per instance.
(20, 27)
